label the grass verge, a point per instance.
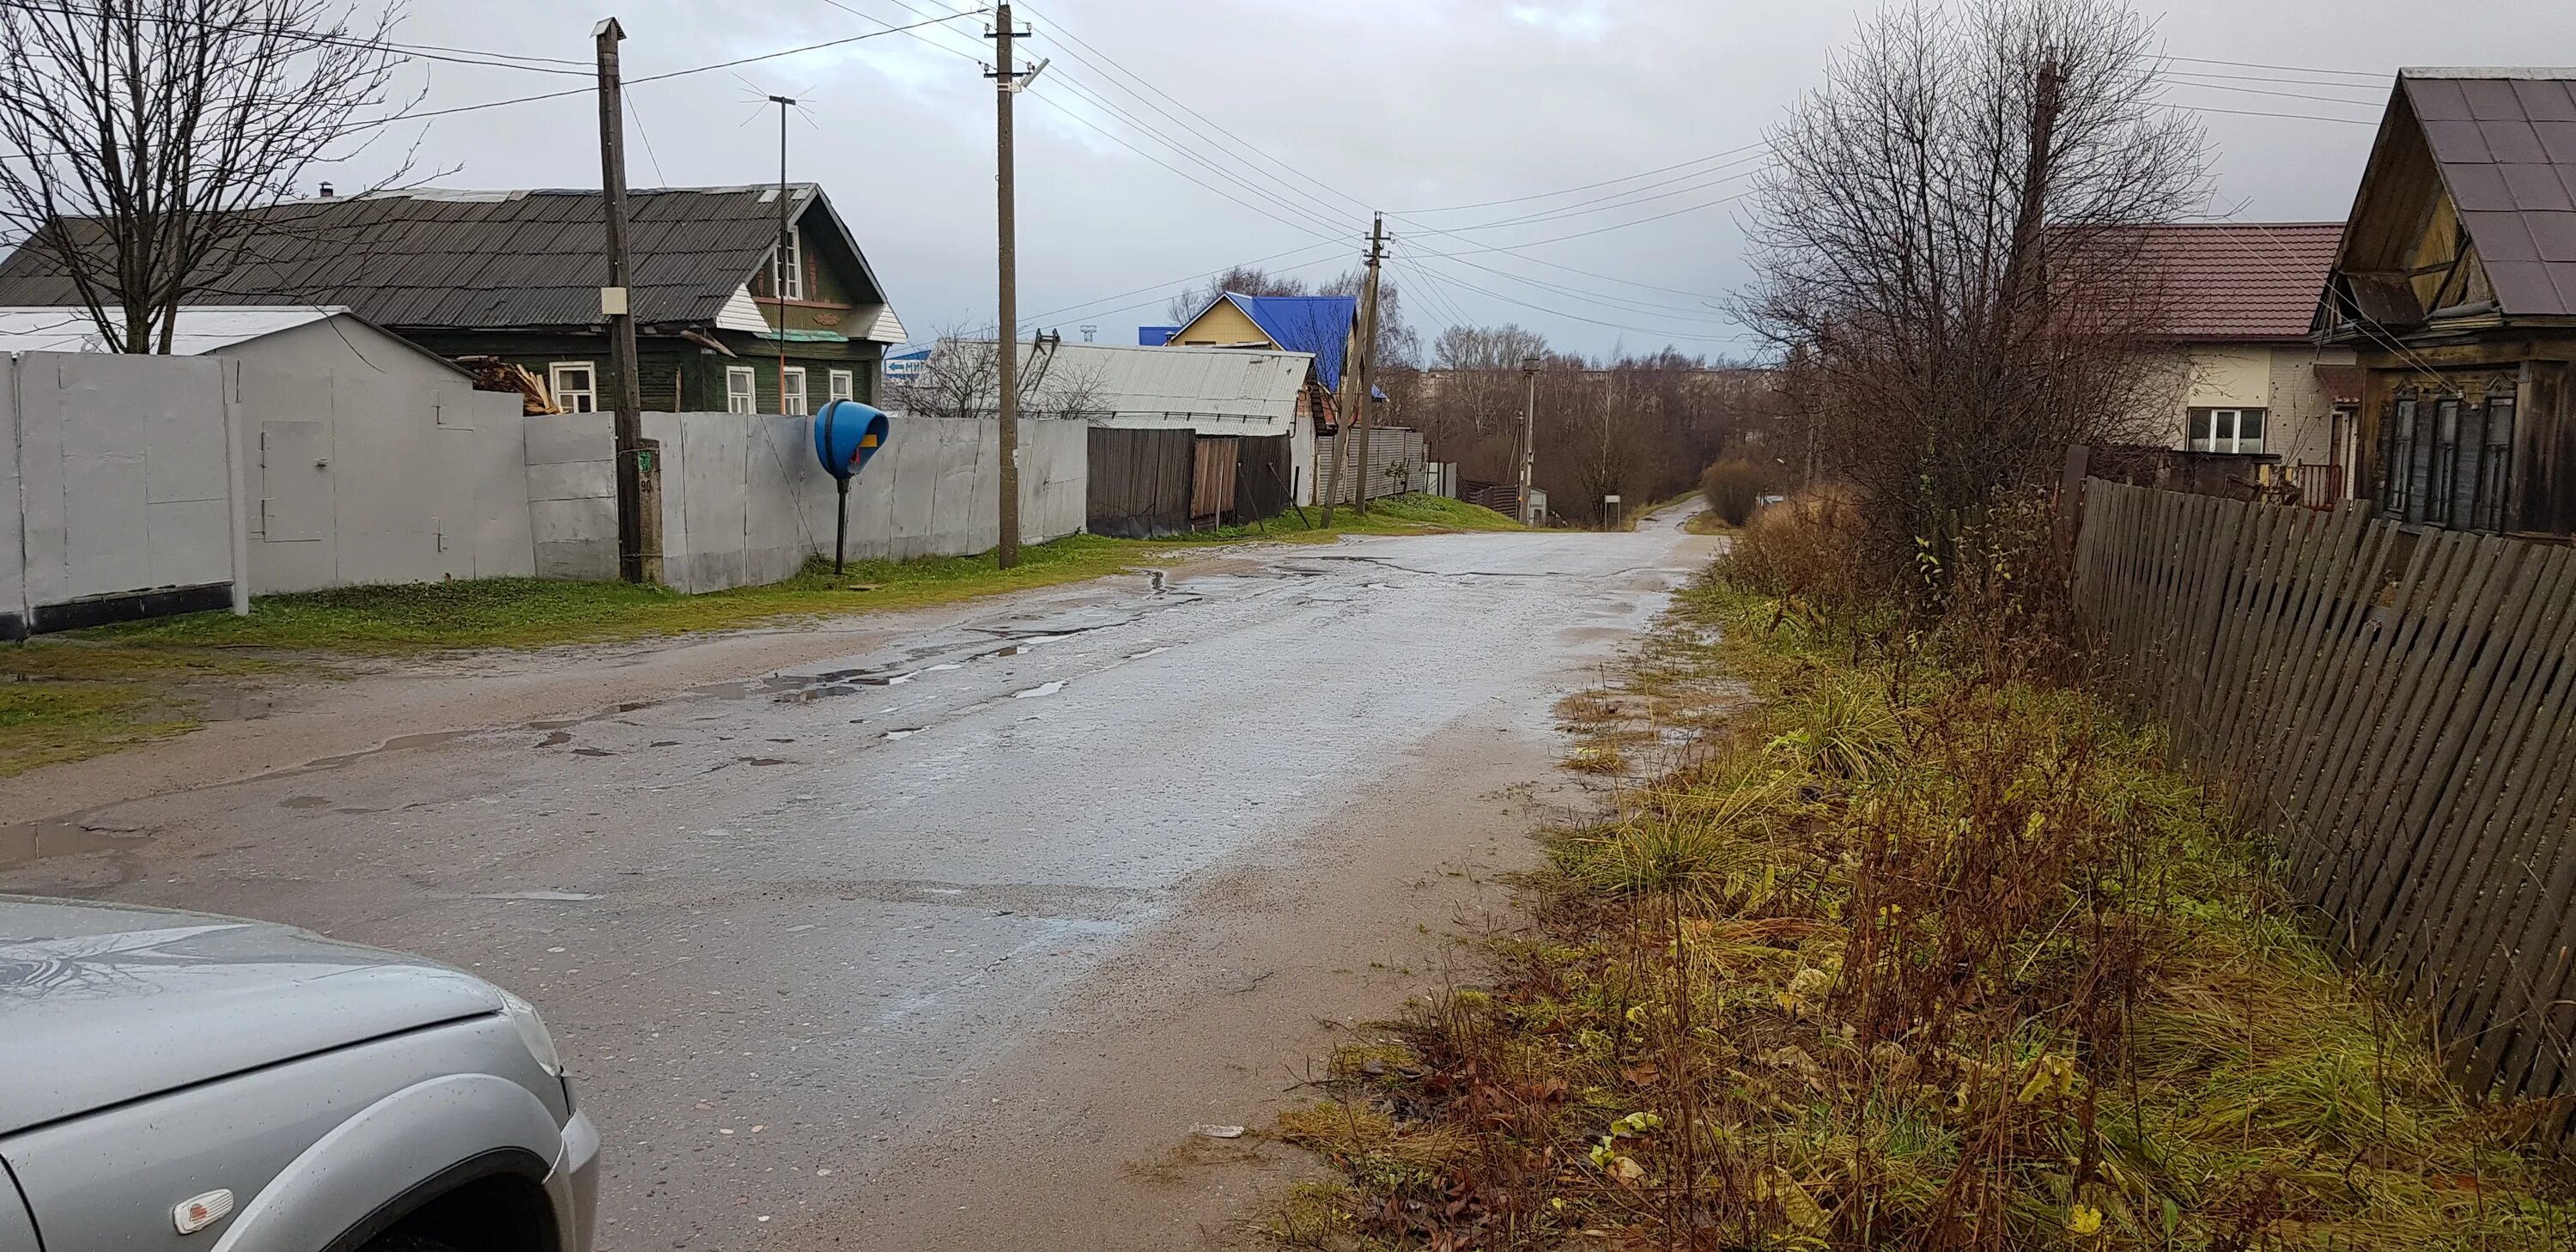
(1882, 954)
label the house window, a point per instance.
(575, 384)
(740, 393)
(843, 385)
(2397, 454)
(2495, 466)
(791, 389)
(2448, 462)
(2226, 430)
(789, 281)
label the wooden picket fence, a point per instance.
(2396, 708)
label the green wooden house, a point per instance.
(517, 275)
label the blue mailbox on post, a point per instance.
(847, 435)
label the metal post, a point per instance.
(639, 521)
(1007, 266)
(841, 529)
(778, 262)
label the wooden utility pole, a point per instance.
(1529, 434)
(1365, 348)
(639, 496)
(2023, 278)
(1007, 82)
(778, 263)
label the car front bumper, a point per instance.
(573, 1185)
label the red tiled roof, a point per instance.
(2239, 281)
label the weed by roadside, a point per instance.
(1904, 956)
(62, 700)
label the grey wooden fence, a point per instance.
(2396, 707)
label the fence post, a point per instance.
(2070, 500)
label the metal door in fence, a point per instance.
(2396, 707)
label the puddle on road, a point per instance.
(1042, 689)
(35, 841)
(538, 895)
(903, 734)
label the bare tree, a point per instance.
(1945, 255)
(963, 378)
(1243, 280)
(153, 138)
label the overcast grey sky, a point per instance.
(1402, 105)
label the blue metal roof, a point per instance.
(1317, 324)
(1155, 336)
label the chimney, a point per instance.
(326, 191)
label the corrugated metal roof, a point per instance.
(54, 328)
(2505, 142)
(1233, 391)
(2239, 281)
(1317, 325)
(465, 260)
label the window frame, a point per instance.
(746, 400)
(589, 394)
(841, 385)
(2231, 420)
(787, 279)
(803, 401)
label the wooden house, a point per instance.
(2455, 288)
(514, 276)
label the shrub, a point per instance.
(1733, 488)
(1806, 549)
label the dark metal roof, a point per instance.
(2505, 142)
(469, 260)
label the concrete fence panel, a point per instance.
(125, 469)
(744, 502)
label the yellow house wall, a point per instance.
(1223, 324)
(2277, 378)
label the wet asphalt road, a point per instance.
(778, 923)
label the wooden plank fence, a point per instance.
(2397, 708)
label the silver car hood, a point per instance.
(101, 1004)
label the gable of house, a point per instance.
(1318, 325)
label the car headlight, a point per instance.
(532, 1032)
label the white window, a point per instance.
(843, 385)
(740, 393)
(575, 384)
(789, 282)
(791, 389)
(2226, 430)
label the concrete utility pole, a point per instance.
(1007, 82)
(1365, 348)
(639, 495)
(779, 262)
(1529, 433)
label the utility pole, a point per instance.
(639, 495)
(778, 263)
(1366, 351)
(1007, 82)
(1529, 433)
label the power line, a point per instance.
(425, 52)
(2382, 75)
(655, 78)
(1566, 191)
(1168, 285)
(1077, 41)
